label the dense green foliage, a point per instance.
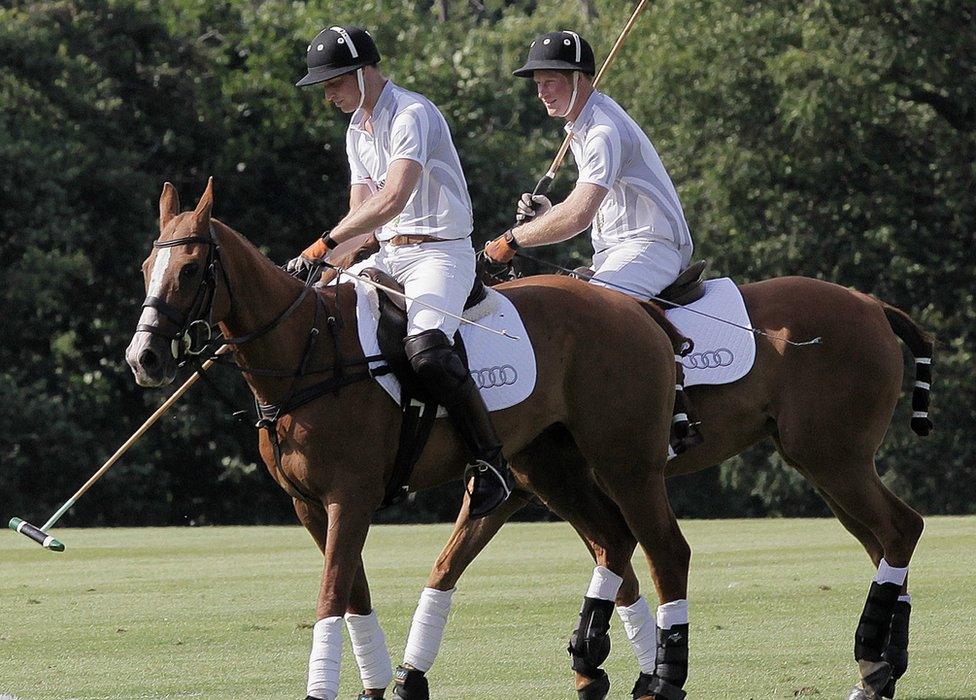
(223, 613)
(826, 138)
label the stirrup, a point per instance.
(482, 469)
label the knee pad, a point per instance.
(590, 644)
(433, 359)
(672, 655)
(875, 623)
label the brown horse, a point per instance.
(336, 453)
(827, 409)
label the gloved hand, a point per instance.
(530, 205)
(502, 249)
(299, 267)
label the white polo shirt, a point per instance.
(408, 125)
(641, 203)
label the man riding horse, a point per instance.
(641, 240)
(407, 183)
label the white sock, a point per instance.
(427, 628)
(673, 613)
(369, 648)
(640, 629)
(323, 662)
(891, 574)
(604, 584)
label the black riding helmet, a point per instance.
(336, 51)
(559, 51)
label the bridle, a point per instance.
(195, 328)
(196, 333)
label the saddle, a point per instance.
(392, 329)
(688, 286)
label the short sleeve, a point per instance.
(357, 171)
(410, 135)
(600, 159)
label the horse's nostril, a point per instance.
(148, 359)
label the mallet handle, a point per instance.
(543, 186)
(132, 440)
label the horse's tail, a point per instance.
(922, 344)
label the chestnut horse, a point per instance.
(827, 409)
(605, 380)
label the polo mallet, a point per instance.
(546, 182)
(39, 534)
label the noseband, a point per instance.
(195, 328)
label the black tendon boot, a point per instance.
(444, 375)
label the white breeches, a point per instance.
(439, 274)
(639, 268)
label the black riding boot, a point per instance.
(443, 374)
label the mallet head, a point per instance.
(36, 534)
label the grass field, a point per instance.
(226, 612)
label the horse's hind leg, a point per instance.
(368, 641)
(896, 646)
(852, 487)
(641, 495)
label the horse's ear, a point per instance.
(202, 212)
(169, 205)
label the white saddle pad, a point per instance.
(503, 369)
(722, 353)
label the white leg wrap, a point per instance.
(673, 613)
(369, 648)
(604, 584)
(641, 631)
(323, 662)
(905, 598)
(891, 574)
(427, 629)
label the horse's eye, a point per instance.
(189, 270)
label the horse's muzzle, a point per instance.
(151, 366)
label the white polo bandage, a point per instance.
(673, 613)
(641, 631)
(323, 662)
(369, 648)
(604, 584)
(891, 574)
(427, 628)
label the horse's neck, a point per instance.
(261, 293)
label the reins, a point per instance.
(749, 329)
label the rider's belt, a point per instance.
(413, 239)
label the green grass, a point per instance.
(226, 612)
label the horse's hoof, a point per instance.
(858, 693)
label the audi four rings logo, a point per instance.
(710, 359)
(492, 377)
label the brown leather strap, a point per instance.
(413, 239)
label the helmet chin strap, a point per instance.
(572, 100)
(362, 88)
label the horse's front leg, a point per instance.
(467, 541)
(348, 522)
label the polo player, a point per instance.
(640, 238)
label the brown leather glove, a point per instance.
(502, 249)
